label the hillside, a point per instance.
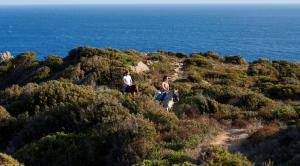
(70, 111)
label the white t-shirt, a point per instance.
(127, 80)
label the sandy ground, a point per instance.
(232, 138)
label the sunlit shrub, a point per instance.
(152, 110)
(221, 156)
(285, 112)
(189, 134)
(209, 55)
(50, 95)
(262, 68)
(283, 92)
(62, 149)
(25, 59)
(177, 157)
(287, 69)
(199, 62)
(53, 61)
(6, 160)
(42, 73)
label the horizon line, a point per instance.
(246, 3)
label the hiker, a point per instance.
(164, 87)
(127, 82)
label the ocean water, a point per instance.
(266, 31)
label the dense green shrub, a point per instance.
(63, 149)
(283, 92)
(287, 69)
(42, 73)
(285, 113)
(152, 163)
(209, 55)
(189, 134)
(262, 68)
(294, 161)
(107, 53)
(239, 97)
(53, 61)
(152, 110)
(6, 160)
(4, 116)
(79, 52)
(50, 95)
(122, 138)
(161, 163)
(25, 59)
(5, 67)
(199, 62)
(103, 111)
(177, 157)
(278, 147)
(173, 54)
(7, 126)
(221, 156)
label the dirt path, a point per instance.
(233, 139)
(178, 71)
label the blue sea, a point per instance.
(253, 31)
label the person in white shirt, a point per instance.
(127, 81)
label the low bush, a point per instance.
(189, 134)
(287, 69)
(209, 55)
(6, 160)
(25, 59)
(7, 127)
(161, 163)
(53, 61)
(283, 92)
(262, 68)
(177, 158)
(63, 149)
(221, 156)
(199, 62)
(49, 95)
(42, 73)
(263, 133)
(269, 144)
(294, 161)
(152, 110)
(4, 116)
(285, 113)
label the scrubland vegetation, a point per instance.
(70, 111)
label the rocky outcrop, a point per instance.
(237, 60)
(141, 67)
(4, 56)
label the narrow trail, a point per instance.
(232, 138)
(178, 71)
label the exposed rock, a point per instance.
(141, 67)
(4, 56)
(237, 60)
